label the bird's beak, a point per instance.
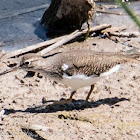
(7, 71)
(4, 68)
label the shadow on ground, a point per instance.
(75, 105)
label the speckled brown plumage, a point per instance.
(79, 62)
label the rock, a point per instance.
(65, 16)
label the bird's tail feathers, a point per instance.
(133, 54)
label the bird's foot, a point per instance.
(63, 102)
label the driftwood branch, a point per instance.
(33, 48)
(72, 36)
(56, 43)
(125, 34)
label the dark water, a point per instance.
(19, 22)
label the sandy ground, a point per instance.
(112, 113)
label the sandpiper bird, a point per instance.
(77, 68)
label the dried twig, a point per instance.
(125, 34)
(58, 42)
(72, 36)
(33, 48)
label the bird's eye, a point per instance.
(27, 63)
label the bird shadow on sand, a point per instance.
(74, 105)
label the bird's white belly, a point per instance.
(79, 81)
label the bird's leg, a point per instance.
(66, 101)
(91, 89)
(62, 101)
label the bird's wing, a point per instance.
(91, 64)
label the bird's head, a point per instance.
(29, 62)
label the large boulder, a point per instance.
(65, 16)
